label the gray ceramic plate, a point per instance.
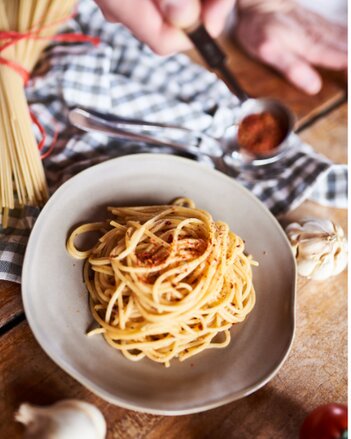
(56, 303)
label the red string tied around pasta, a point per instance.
(13, 37)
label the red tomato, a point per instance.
(327, 421)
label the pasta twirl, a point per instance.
(165, 281)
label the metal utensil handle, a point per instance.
(192, 141)
(126, 122)
(90, 122)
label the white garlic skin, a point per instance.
(67, 419)
(319, 246)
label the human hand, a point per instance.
(293, 41)
(158, 23)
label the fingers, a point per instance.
(293, 67)
(321, 46)
(303, 76)
(291, 48)
(165, 39)
(323, 56)
(159, 23)
(214, 15)
(148, 25)
(180, 13)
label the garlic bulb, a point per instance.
(320, 247)
(67, 419)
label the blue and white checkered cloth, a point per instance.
(122, 76)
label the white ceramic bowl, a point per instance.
(56, 304)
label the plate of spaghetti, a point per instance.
(168, 287)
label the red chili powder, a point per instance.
(260, 133)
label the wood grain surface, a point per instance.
(316, 369)
(10, 302)
(328, 135)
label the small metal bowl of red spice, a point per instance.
(260, 135)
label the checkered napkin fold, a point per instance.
(122, 76)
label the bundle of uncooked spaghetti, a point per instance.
(26, 27)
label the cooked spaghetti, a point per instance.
(165, 280)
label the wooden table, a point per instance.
(316, 369)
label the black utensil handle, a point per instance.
(208, 48)
(215, 58)
(232, 83)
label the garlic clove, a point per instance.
(306, 267)
(339, 231)
(325, 269)
(313, 247)
(67, 419)
(319, 246)
(323, 226)
(340, 261)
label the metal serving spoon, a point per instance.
(223, 152)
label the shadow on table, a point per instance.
(266, 414)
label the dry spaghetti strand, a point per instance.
(165, 281)
(22, 178)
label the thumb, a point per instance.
(180, 13)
